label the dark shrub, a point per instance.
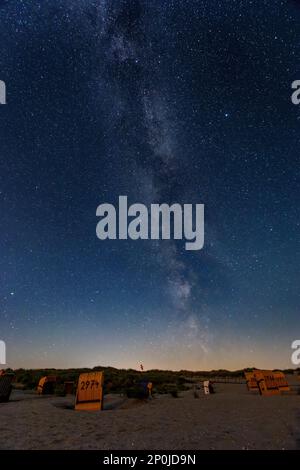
(136, 392)
(59, 391)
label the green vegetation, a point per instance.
(127, 381)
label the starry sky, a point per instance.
(185, 101)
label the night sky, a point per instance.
(163, 101)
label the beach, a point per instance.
(232, 418)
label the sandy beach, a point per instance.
(232, 418)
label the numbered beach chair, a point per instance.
(46, 385)
(89, 394)
(5, 386)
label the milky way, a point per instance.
(174, 101)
